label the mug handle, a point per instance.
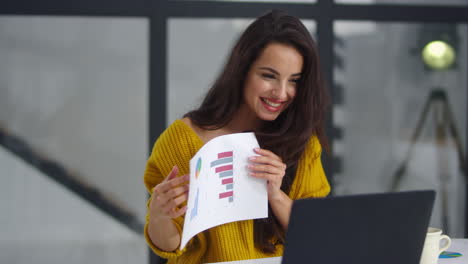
(448, 242)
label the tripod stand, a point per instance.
(444, 120)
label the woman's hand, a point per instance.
(270, 167)
(168, 195)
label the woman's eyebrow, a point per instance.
(277, 73)
(270, 69)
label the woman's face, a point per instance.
(271, 82)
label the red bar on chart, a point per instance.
(227, 181)
(224, 154)
(223, 168)
(225, 194)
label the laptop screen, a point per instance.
(367, 228)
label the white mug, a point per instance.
(432, 249)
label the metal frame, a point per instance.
(324, 12)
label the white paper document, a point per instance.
(221, 189)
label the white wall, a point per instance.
(76, 89)
(43, 223)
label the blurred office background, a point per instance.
(86, 88)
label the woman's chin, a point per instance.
(269, 117)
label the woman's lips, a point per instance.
(271, 105)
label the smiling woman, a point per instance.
(271, 84)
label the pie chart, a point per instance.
(199, 164)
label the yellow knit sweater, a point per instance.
(232, 241)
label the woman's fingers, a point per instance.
(270, 167)
(176, 213)
(160, 187)
(267, 163)
(165, 205)
(267, 166)
(267, 160)
(257, 168)
(173, 203)
(165, 186)
(267, 153)
(262, 175)
(172, 174)
(171, 194)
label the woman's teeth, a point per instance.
(270, 103)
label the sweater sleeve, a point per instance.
(310, 180)
(158, 167)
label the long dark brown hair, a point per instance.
(288, 135)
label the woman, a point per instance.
(271, 85)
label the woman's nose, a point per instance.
(280, 91)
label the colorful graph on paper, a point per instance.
(212, 198)
(223, 167)
(199, 164)
(194, 211)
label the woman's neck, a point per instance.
(243, 120)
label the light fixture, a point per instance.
(438, 55)
(437, 46)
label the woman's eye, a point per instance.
(268, 76)
(295, 80)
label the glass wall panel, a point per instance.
(403, 121)
(405, 2)
(74, 94)
(44, 223)
(198, 49)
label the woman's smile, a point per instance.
(271, 105)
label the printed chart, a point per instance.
(223, 167)
(221, 190)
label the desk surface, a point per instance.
(458, 245)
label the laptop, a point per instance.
(386, 228)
